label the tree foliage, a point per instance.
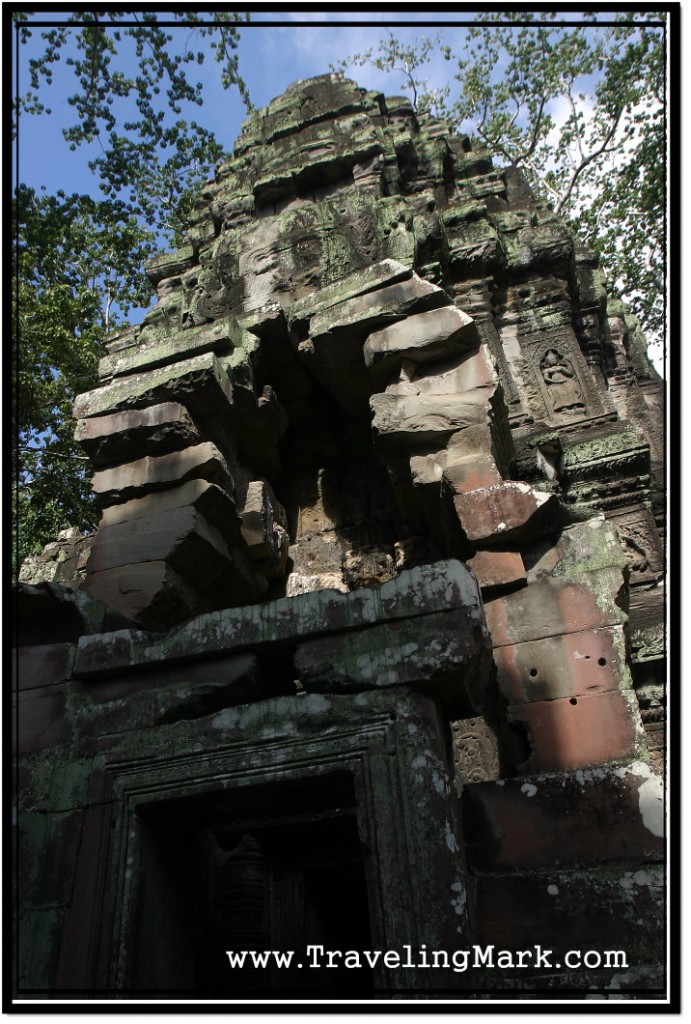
(77, 270)
(581, 110)
(78, 260)
(151, 157)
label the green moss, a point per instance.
(621, 440)
(589, 547)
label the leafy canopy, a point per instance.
(581, 110)
(77, 259)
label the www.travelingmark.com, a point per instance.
(459, 960)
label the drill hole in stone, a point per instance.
(573, 700)
(533, 672)
(602, 661)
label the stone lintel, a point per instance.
(426, 589)
(444, 655)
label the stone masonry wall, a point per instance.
(382, 421)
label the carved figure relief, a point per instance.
(636, 553)
(475, 752)
(563, 386)
(640, 542)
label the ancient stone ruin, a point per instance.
(367, 652)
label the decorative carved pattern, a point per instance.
(640, 542)
(475, 752)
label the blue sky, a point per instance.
(271, 58)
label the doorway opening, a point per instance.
(267, 869)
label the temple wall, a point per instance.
(382, 490)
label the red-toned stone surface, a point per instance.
(499, 512)
(567, 819)
(497, 568)
(472, 473)
(44, 664)
(554, 606)
(570, 665)
(577, 731)
(40, 718)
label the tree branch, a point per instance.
(600, 151)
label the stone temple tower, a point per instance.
(367, 653)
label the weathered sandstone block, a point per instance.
(404, 422)
(572, 732)
(156, 430)
(381, 275)
(362, 314)
(213, 502)
(504, 512)
(150, 593)
(572, 665)
(497, 568)
(200, 383)
(263, 528)
(422, 338)
(444, 656)
(565, 819)
(550, 607)
(220, 337)
(153, 473)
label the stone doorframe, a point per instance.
(394, 748)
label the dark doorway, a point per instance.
(279, 889)
(272, 868)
